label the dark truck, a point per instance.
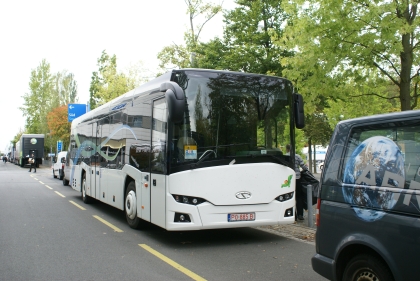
(28, 144)
(368, 211)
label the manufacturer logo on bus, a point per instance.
(243, 195)
(119, 106)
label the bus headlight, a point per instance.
(188, 199)
(285, 197)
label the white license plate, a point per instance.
(241, 217)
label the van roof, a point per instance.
(385, 116)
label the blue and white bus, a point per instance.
(192, 149)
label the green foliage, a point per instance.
(318, 129)
(46, 92)
(17, 137)
(247, 41)
(40, 99)
(174, 56)
(59, 126)
(340, 43)
(107, 83)
(65, 89)
(182, 56)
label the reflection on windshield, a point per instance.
(231, 115)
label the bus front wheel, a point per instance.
(130, 206)
(85, 197)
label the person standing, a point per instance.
(33, 163)
(299, 193)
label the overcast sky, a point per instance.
(71, 35)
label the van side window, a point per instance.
(390, 151)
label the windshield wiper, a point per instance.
(279, 160)
(203, 157)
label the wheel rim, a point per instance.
(84, 188)
(365, 274)
(130, 205)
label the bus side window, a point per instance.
(139, 157)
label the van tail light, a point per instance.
(318, 206)
(62, 166)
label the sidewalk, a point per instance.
(299, 230)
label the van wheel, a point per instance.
(85, 197)
(366, 267)
(130, 206)
(54, 175)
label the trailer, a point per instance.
(28, 144)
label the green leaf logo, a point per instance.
(287, 182)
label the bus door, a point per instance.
(94, 163)
(158, 163)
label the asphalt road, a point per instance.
(48, 233)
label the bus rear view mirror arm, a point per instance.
(298, 111)
(175, 100)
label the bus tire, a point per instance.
(65, 182)
(86, 199)
(130, 206)
(366, 267)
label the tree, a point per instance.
(247, 41)
(39, 101)
(107, 83)
(16, 138)
(343, 44)
(47, 92)
(58, 125)
(65, 89)
(179, 55)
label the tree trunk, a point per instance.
(406, 57)
(310, 154)
(405, 79)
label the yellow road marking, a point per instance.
(59, 194)
(41, 182)
(116, 229)
(172, 263)
(77, 205)
(49, 187)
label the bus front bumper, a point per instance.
(208, 216)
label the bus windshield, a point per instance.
(231, 117)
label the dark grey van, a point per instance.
(368, 212)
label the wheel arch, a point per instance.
(82, 174)
(356, 248)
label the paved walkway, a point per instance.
(299, 230)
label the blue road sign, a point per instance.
(75, 110)
(59, 146)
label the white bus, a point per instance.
(192, 149)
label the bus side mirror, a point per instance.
(298, 111)
(175, 100)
